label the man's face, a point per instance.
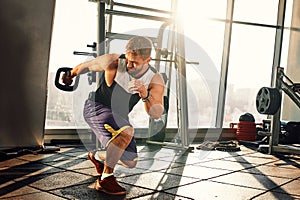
(136, 65)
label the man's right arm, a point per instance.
(100, 63)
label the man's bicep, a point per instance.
(104, 62)
(157, 92)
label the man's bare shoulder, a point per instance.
(157, 79)
(108, 60)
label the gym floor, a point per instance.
(161, 173)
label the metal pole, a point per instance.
(275, 119)
(101, 28)
(101, 40)
(224, 67)
(182, 107)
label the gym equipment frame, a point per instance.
(285, 84)
(179, 59)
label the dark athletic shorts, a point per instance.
(98, 116)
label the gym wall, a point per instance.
(25, 36)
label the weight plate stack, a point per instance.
(246, 131)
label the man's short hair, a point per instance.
(139, 45)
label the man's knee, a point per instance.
(123, 139)
(129, 131)
(131, 164)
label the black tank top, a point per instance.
(115, 97)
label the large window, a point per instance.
(75, 26)
(256, 11)
(251, 56)
(203, 47)
(250, 66)
(249, 63)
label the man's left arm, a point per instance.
(153, 98)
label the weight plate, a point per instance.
(268, 100)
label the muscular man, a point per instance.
(106, 112)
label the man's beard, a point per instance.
(135, 72)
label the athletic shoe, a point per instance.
(109, 185)
(98, 165)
